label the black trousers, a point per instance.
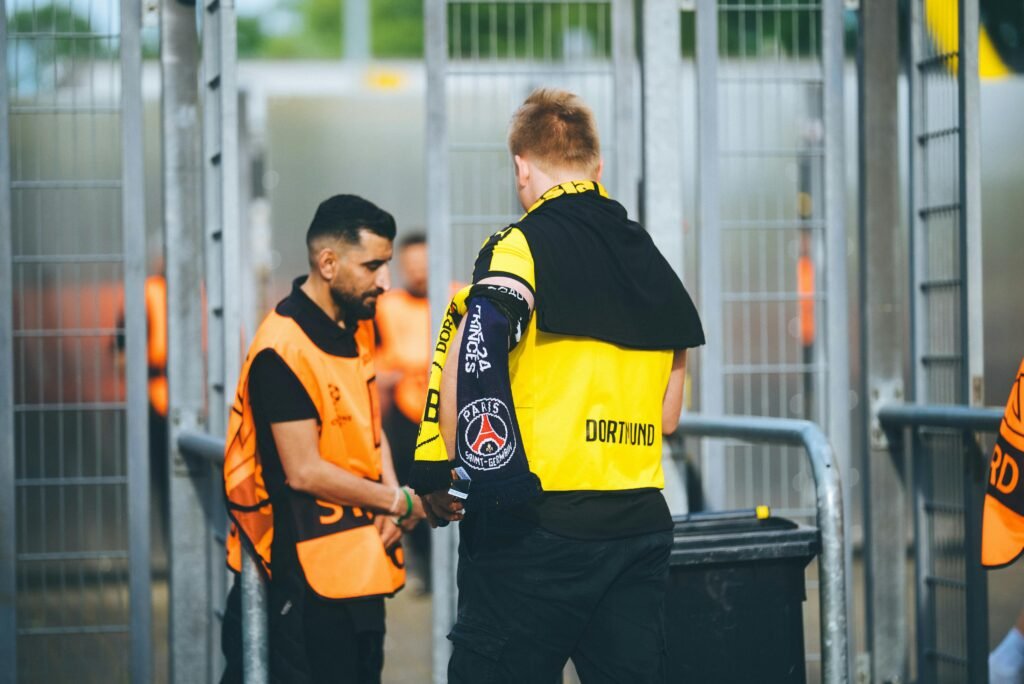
(529, 600)
(311, 641)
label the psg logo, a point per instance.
(488, 440)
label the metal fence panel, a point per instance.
(8, 578)
(222, 258)
(81, 489)
(945, 286)
(772, 239)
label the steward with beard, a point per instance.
(308, 478)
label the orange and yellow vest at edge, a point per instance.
(1002, 535)
(338, 547)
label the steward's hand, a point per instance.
(442, 506)
(389, 532)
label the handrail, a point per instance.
(828, 499)
(255, 664)
(955, 416)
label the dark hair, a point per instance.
(416, 237)
(342, 217)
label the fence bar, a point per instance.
(712, 356)
(133, 233)
(883, 297)
(837, 351)
(829, 503)
(444, 540)
(953, 416)
(971, 266)
(8, 548)
(663, 183)
(190, 614)
(627, 160)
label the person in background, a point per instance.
(403, 354)
(308, 476)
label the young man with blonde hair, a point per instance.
(542, 433)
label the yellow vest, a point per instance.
(589, 411)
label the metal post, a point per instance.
(190, 618)
(8, 549)
(837, 313)
(712, 381)
(133, 231)
(255, 636)
(445, 539)
(882, 288)
(222, 259)
(972, 315)
(357, 26)
(663, 183)
(624, 78)
(971, 322)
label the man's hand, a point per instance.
(390, 533)
(418, 513)
(442, 506)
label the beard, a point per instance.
(357, 307)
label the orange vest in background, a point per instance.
(338, 547)
(404, 325)
(156, 336)
(1002, 535)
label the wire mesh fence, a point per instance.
(67, 269)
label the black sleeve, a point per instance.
(277, 394)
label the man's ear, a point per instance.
(522, 171)
(600, 169)
(327, 263)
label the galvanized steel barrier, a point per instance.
(829, 508)
(198, 445)
(947, 573)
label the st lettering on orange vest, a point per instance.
(1002, 536)
(338, 547)
(156, 336)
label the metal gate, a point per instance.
(772, 242)
(946, 364)
(74, 513)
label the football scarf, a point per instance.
(1002, 535)
(490, 467)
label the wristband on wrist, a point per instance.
(408, 505)
(394, 501)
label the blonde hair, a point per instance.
(556, 130)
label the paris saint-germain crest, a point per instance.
(488, 440)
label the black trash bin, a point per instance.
(734, 609)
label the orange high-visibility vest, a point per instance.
(156, 336)
(1002, 535)
(404, 325)
(338, 547)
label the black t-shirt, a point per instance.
(278, 396)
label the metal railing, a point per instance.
(255, 668)
(829, 507)
(964, 583)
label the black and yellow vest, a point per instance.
(589, 375)
(338, 547)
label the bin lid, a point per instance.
(700, 541)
